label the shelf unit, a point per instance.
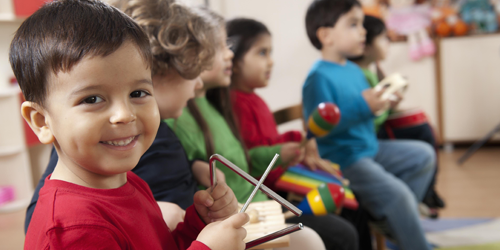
(15, 169)
(469, 80)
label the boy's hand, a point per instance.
(398, 98)
(291, 153)
(217, 204)
(225, 235)
(313, 161)
(372, 97)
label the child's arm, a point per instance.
(82, 237)
(313, 160)
(186, 232)
(226, 235)
(260, 158)
(291, 153)
(318, 89)
(209, 206)
(251, 131)
(172, 213)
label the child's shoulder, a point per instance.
(332, 70)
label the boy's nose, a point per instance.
(363, 31)
(122, 114)
(230, 54)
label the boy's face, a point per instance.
(172, 92)
(254, 70)
(220, 73)
(347, 37)
(102, 114)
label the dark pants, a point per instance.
(336, 232)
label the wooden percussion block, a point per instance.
(271, 219)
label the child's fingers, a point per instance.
(242, 234)
(223, 213)
(227, 200)
(202, 197)
(221, 190)
(238, 220)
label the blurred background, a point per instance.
(458, 87)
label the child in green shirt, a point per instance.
(207, 126)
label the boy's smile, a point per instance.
(103, 117)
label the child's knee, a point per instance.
(427, 154)
(402, 197)
(430, 155)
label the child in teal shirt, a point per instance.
(388, 177)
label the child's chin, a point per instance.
(355, 53)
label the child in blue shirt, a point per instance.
(389, 177)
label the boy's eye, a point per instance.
(92, 100)
(139, 93)
(263, 52)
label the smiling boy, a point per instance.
(87, 81)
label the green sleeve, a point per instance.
(373, 81)
(190, 136)
(260, 157)
(380, 120)
(370, 77)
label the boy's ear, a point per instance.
(34, 115)
(323, 34)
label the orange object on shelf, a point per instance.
(460, 28)
(24, 8)
(443, 29)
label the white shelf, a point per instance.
(10, 18)
(14, 205)
(9, 91)
(10, 150)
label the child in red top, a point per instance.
(87, 82)
(252, 65)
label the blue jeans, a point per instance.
(391, 185)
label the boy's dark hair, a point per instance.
(325, 13)
(242, 33)
(374, 26)
(61, 33)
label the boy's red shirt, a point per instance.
(69, 216)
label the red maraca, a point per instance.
(323, 119)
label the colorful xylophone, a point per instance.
(300, 180)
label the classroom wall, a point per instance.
(7, 30)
